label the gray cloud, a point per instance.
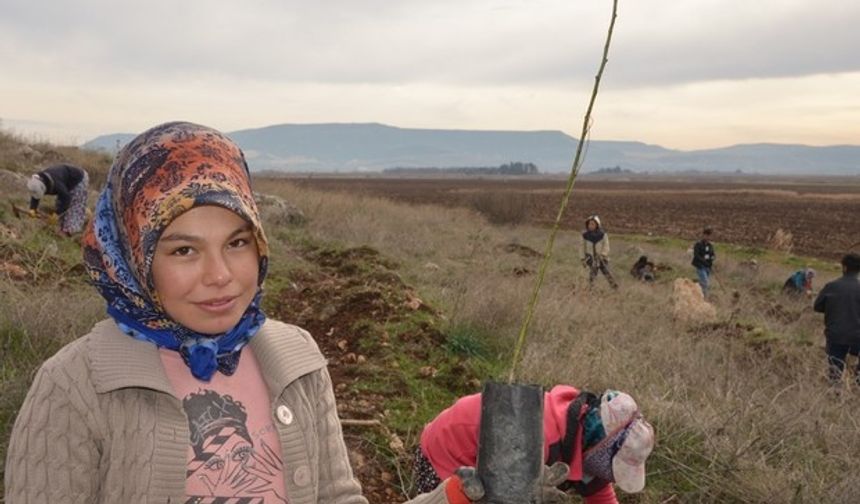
(755, 40)
(465, 42)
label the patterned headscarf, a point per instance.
(158, 176)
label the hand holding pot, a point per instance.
(464, 487)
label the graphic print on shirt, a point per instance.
(226, 460)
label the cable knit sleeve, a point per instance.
(53, 454)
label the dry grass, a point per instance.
(741, 407)
(501, 207)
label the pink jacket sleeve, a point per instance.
(451, 439)
(604, 496)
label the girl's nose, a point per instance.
(217, 270)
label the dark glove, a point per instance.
(588, 261)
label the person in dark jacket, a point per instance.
(69, 184)
(703, 259)
(839, 301)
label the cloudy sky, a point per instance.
(683, 74)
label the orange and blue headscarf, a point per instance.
(158, 176)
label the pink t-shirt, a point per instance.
(234, 451)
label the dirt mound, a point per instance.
(347, 299)
(688, 303)
(348, 289)
(754, 337)
(522, 250)
(519, 271)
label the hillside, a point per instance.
(414, 305)
(375, 147)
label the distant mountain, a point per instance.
(375, 147)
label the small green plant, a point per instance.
(467, 341)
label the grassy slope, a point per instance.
(740, 407)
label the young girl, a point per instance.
(187, 393)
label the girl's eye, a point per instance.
(181, 251)
(239, 242)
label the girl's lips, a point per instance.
(218, 305)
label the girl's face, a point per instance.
(591, 225)
(205, 269)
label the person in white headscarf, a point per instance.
(69, 184)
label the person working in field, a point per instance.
(839, 301)
(69, 184)
(704, 256)
(643, 270)
(595, 251)
(602, 439)
(799, 283)
(187, 392)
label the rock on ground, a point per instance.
(278, 210)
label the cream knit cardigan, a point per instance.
(101, 424)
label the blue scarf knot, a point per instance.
(204, 355)
(201, 356)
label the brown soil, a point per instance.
(822, 217)
(522, 250)
(344, 301)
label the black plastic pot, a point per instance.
(510, 449)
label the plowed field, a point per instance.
(823, 217)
